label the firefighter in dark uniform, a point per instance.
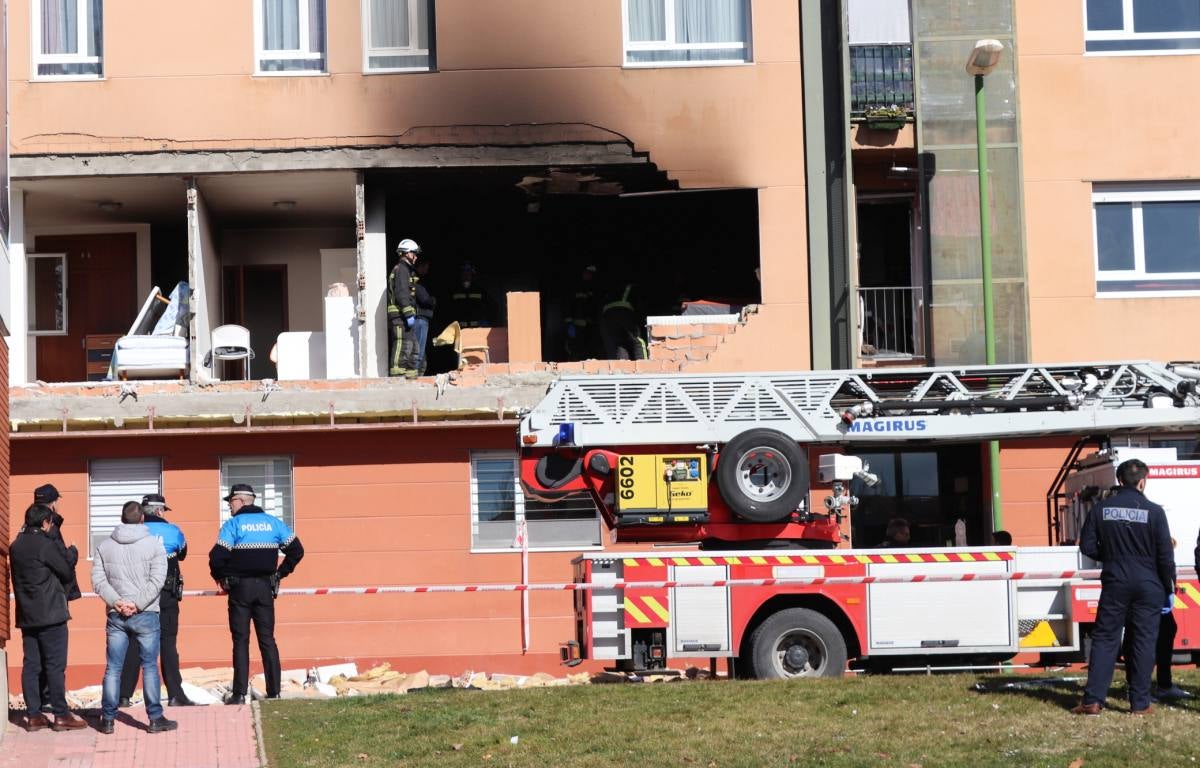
(402, 310)
(245, 563)
(470, 304)
(581, 322)
(1128, 533)
(620, 330)
(173, 541)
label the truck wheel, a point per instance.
(763, 475)
(797, 642)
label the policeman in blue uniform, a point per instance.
(1128, 533)
(245, 563)
(173, 541)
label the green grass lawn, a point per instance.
(868, 721)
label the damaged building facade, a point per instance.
(720, 157)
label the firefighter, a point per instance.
(581, 323)
(402, 309)
(173, 541)
(1128, 533)
(620, 331)
(470, 304)
(245, 563)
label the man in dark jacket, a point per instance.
(245, 563)
(402, 309)
(1128, 533)
(40, 576)
(175, 545)
(47, 495)
(425, 304)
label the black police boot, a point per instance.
(235, 699)
(106, 725)
(180, 701)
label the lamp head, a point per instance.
(984, 57)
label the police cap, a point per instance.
(240, 488)
(45, 494)
(155, 499)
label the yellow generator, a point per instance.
(662, 488)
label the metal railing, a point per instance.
(880, 76)
(891, 322)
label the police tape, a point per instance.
(809, 581)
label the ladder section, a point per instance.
(861, 406)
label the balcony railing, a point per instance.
(880, 76)
(892, 322)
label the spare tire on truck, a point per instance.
(763, 475)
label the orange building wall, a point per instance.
(372, 508)
(1027, 468)
(5, 625)
(1091, 119)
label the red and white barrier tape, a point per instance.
(813, 581)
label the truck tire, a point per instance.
(797, 642)
(763, 475)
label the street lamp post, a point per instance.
(983, 59)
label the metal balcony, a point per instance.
(880, 76)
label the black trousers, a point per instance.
(250, 600)
(1164, 650)
(1133, 605)
(168, 652)
(45, 650)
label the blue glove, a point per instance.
(571, 331)
(1170, 606)
(408, 322)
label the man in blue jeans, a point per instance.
(128, 571)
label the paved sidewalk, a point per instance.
(208, 737)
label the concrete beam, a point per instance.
(347, 158)
(77, 407)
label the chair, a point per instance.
(231, 342)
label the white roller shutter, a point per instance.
(111, 483)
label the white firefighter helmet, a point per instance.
(407, 246)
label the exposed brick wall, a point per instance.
(679, 345)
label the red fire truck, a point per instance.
(766, 584)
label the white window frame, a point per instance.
(256, 460)
(1138, 195)
(628, 45)
(1127, 33)
(62, 257)
(519, 509)
(304, 52)
(134, 497)
(84, 32)
(411, 50)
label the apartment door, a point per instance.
(255, 297)
(891, 301)
(101, 298)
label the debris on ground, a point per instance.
(212, 686)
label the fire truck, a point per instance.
(721, 463)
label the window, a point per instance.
(111, 483)
(666, 32)
(1142, 26)
(46, 293)
(1147, 240)
(271, 478)
(67, 37)
(396, 35)
(289, 37)
(498, 504)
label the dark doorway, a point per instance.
(890, 299)
(101, 299)
(255, 297)
(932, 489)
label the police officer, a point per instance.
(620, 331)
(402, 310)
(47, 495)
(245, 563)
(173, 541)
(1128, 533)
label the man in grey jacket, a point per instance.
(128, 571)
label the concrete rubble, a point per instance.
(211, 686)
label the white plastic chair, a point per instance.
(231, 342)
